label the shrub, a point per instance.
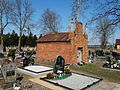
(50, 76)
(11, 53)
(67, 71)
(117, 57)
(31, 52)
(1, 55)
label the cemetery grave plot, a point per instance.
(60, 70)
(68, 80)
(34, 70)
(8, 75)
(37, 69)
(8, 71)
(112, 64)
(74, 82)
(111, 59)
(29, 68)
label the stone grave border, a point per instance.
(34, 71)
(56, 84)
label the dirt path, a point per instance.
(26, 84)
(104, 85)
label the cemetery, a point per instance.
(112, 64)
(17, 67)
(111, 58)
(113, 61)
(59, 75)
(59, 45)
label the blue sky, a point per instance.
(63, 8)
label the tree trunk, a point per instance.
(1, 39)
(1, 34)
(19, 43)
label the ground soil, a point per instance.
(26, 84)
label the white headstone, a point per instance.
(9, 72)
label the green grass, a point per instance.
(96, 70)
(93, 69)
(59, 78)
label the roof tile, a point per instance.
(117, 41)
(58, 37)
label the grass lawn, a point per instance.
(94, 69)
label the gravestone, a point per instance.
(9, 72)
(27, 61)
(59, 65)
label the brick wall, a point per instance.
(68, 50)
(79, 40)
(49, 51)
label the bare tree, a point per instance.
(104, 31)
(22, 17)
(79, 10)
(99, 8)
(78, 7)
(109, 8)
(50, 22)
(5, 11)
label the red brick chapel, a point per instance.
(72, 46)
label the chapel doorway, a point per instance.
(79, 55)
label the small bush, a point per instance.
(1, 55)
(117, 57)
(29, 52)
(50, 76)
(11, 53)
(67, 71)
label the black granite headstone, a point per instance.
(28, 61)
(59, 65)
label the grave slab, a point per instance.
(75, 82)
(35, 70)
